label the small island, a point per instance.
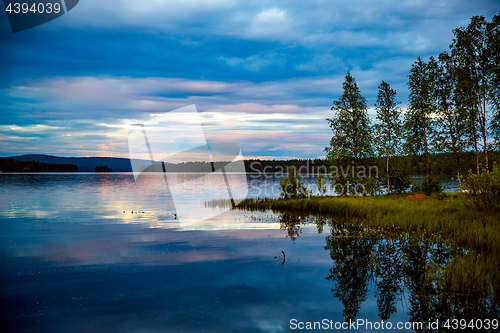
(103, 168)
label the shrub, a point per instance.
(321, 183)
(484, 189)
(399, 180)
(371, 185)
(293, 186)
(346, 184)
(434, 186)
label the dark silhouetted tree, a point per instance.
(388, 129)
(418, 122)
(451, 124)
(352, 137)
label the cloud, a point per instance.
(255, 63)
(95, 114)
(106, 65)
(143, 96)
(322, 63)
(270, 23)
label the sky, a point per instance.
(261, 74)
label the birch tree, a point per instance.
(418, 124)
(350, 124)
(388, 129)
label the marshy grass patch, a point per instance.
(442, 217)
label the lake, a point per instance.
(87, 252)
(267, 184)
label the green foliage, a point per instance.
(451, 120)
(453, 108)
(475, 52)
(434, 186)
(321, 184)
(484, 189)
(350, 125)
(351, 142)
(493, 37)
(399, 179)
(388, 130)
(293, 187)
(371, 185)
(420, 105)
(418, 125)
(495, 130)
(449, 220)
(441, 163)
(441, 195)
(416, 187)
(343, 184)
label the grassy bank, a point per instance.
(452, 248)
(449, 220)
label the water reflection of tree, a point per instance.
(351, 270)
(416, 257)
(431, 295)
(426, 271)
(291, 223)
(388, 272)
(320, 224)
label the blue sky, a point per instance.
(262, 74)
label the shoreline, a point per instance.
(448, 218)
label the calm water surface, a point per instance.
(100, 253)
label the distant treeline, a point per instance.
(442, 163)
(10, 165)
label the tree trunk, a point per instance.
(458, 172)
(483, 121)
(477, 153)
(387, 169)
(483, 125)
(454, 147)
(426, 156)
(356, 165)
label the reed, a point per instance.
(449, 220)
(469, 267)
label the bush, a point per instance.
(293, 186)
(484, 189)
(434, 186)
(371, 185)
(399, 180)
(321, 184)
(441, 195)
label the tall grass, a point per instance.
(465, 269)
(441, 220)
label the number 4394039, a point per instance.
(40, 8)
